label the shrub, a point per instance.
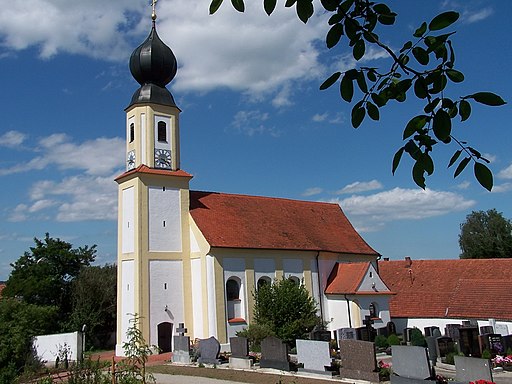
(486, 354)
(393, 339)
(381, 341)
(255, 333)
(417, 338)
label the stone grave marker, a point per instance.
(391, 328)
(274, 354)
(507, 342)
(469, 343)
(485, 329)
(368, 322)
(432, 349)
(429, 331)
(410, 362)
(501, 329)
(362, 334)
(382, 331)
(358, 361)
(346, 334)
(315, 355)
(452, 330)
(181, 351)
(471, 369)
(436, 333)
(239, 353)
(209, 351)
(407, 335)
(493, 343)
(444, 346)
(320, 334)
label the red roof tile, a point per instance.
(153, 171)
(241, 221)
(476, 288)
(2, 286)
(345, 278)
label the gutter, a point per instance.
(348, 311)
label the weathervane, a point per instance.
(153, 14)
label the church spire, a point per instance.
(153, 65)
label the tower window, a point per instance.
(162, 132)
(132, 132)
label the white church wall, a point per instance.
(314, 282)
(337, 311)
(143, 155)
(293, 268)
(264, 268)
(382, 307)
(128, 230)
(194, 244)
(163, 144)
(234, 268)
(49, 347)
(197, 298)
(372, 281)
(210, 284)
(164, 218)
(128, 302)
(165, 295)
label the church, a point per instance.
(196, 257)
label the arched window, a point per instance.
(262, 281)
(295, 279)
(162, 132)
(374, 313)
(234, 304)
(232, 290)
(132, 132)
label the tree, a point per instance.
(94, 297)
(44, 275)
(424, 67)
(287, 309)
(485, 235)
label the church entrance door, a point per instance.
(164, 337)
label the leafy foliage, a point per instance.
(424, 67)
(44, 275)
(287, 309)
(255, 333)
(417, 338)
(485, 235)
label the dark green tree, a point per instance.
(19, 322)
(94, 297)
(44, 275)
(424, 68)
(485, 235)
(287, 309)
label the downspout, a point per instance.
(320, 293)
(348, 310)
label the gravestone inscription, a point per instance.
(274, 354)
(452, 330)
(493, 343)
(347, 334)
(181, 351)
(358, 360)
(469, 343)
(444, 346)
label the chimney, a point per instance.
(408, 261)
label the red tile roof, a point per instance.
(241, 221)
(466, 289)
(153, 171)
(345, 278)
(2, 286)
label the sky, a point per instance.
(254, 120)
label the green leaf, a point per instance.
(443, 20)
(359, 49)
(442, 125)
(238, 5)
(455, 76)
(334, 35)
(412, 149)
(382, 9)
(214, 6)
(290, 3)
(427, 163)
(379, 99)
(387, 19)
(361, 82)
(373, 111)
(421, 30)
(330, 81)
(483, 175)
(454, 157)
(461, 166)
(396, 159)
(418, 174)
(269, 6)
(420, 88)
(420, 55)
(414, 125)
(406, 46)
(305, 10)
(347, 88)
(330, 5)
(464, 110)
(487, 98)
(371, 76)
(358, 114)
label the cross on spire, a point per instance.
(153, 5)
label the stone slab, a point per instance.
(239, 347)
(274, 354)
(471, 369)
(357, 374)
(240, 363)
(358, 355)
(209, 351)
(315, 355)
(411, 362)
(181, 357)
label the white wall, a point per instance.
(293, 267)
(127, 219)
(127, 300)
(210, 284)
(48, 346)
(164, 219)
(197, 298)
(264, 267)
(235, 268)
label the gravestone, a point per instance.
(383, 331)
(209, 351)
(391, 328)
(320, 334)
(452, 330)
(411, 362)
(436, 333)
(507, 342)
(362, 334)
(444, 346)
(485, 329)
(429, 331)
(501, 329)
(469, 344)
(181, 351)
(315, 356)
(358, 361)
(274, 354)
(239, 358)
(432, 349)
(471, 369)
(407, 335)
(347, 334)
(493, 343)
(368, 323)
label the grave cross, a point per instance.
(368, 322)
(181, 329)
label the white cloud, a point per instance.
(360, 186)
(12, 139)
(312, 191)
(473, 16)
(401, 204)
(252, 123)
(464, 185)
(501, 188)
(318, 118)
(506, 173)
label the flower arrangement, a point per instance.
(384, 370)
(502, 360)
(482, 382)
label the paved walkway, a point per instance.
(177, 379)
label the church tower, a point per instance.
(153, 204)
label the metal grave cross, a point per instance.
(181, 329)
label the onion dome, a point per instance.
(153, 65)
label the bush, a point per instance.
(393, 339)
(381, 341)
(417, 338)
(486, 354)
(255, 333)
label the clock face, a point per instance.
(130, 160)
(163, 158)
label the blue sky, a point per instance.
(253, 120)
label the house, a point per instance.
(196, 257)
(440, 292)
